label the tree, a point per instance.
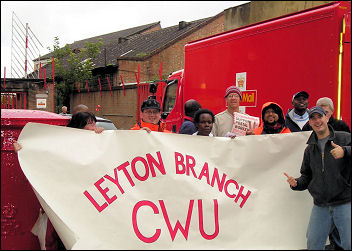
(71, 66)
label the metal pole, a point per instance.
(11, 43)
(25, 59)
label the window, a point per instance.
(170, 96)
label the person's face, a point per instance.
(327, 110)
(151, 116)
(233, 100)
(319, 123)
(205, 124)
(90, 125)
(64, 109)
(300, 103)
(270, 116)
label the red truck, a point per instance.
(271, 60)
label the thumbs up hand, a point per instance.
(290, 180)
(337, 152)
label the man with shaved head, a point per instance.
(80, 108)
(188, 127)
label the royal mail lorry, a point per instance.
(269, 61)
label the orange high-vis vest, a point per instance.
(153, 127)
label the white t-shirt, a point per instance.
(210, 134)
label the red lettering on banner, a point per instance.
(145, 164)
(216, 177)
(190, 163)
(152, 162)
(204, 172)
(226, 188)
(135, 225)
(244, 197)
(104, 191)
(123, 168)
(96, 205)
(184, 167)
(178, 226)
(149, 164)
(179, 161)
(216, 218)
(116, 180)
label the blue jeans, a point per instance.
(320, 224)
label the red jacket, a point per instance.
(259, 130)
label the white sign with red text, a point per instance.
(243, 122)
(126, 189)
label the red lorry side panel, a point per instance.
(280, 57)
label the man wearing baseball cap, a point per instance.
(297, 117)
(223, 124)
(326, 173)
(150, 117)
(328, 106)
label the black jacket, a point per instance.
(336, 124)
(292, 125)
(187, 127)
(331, 185)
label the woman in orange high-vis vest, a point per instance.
(272, 120)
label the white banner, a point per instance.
(133, 190)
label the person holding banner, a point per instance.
(80, 120)
(85, 120)
(51, 240)
(224, 120)
(150, 117)
(326, 173)
(204, 120)
(273, 120)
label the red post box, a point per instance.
(19, 205)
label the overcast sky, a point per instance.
(76, 20)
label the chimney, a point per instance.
(122, 39)
(182, 24)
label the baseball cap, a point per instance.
(316, 109)
(150, 104)
(301, 93)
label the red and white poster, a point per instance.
(124, 189)
(243, 122)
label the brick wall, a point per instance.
(120, 109)
(257, 11)
(37, 91)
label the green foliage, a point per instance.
(141, 54)
(71, 66)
